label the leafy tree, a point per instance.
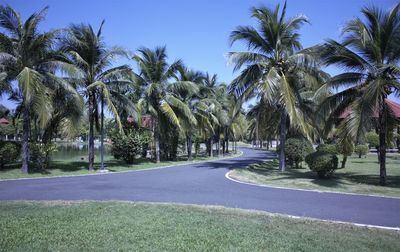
(274, 68)
(153, 78)
(296, 149)
(372, 139)
(346, 148)
(361, 150)
(27, 57)
(93, 74)
(369, 52)
(9, 153)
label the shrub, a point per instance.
(346, 148)
(327, 148)
(296, 149)
(39, 155)
(128, 147)
(361, 150)
(323, 164)
(9, 153)
(372, 139)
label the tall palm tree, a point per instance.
(26, 56)
(370, 52)
(153, 77)
(87, 52)
(187, 89)
(263, 121)
(274, 65)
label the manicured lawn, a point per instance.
(67, 167)
(122, 226)
(360, 176)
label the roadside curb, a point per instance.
(227, 175)
(240, 153)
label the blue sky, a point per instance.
(195, 31)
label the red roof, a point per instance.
(4, 121)
(394, 106)
(146, 121)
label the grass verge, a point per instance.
(71, 167)
(111, 226)
(360, 176)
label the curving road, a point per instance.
(205, 183)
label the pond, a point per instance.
(79, 151)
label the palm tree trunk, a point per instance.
(189, 145)
(102, 132)
(25, 139)
(227, 140)
(344, 161)
(282, 141)
(211, 147)
(157, 141)
(91, 131)
(382, 142)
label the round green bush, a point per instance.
(327, 148)
(345, 148)
(361, 150)
(323, 164)
(9, 153)
(296, 149)
(128, 147)
(40, 154)
(372, 139)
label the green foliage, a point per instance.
(324, 164)
(9, 153)
(345, 148)
(39, 155)
(128, 147)
(361, 150)
(372, 139)
(327, 149)
(296, 149)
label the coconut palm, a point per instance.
(86, 50)
(274, 66)
(189, 89)
(263, 120)
(154, 77)
(370, 52)
(26, 56)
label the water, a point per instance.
(78, 152)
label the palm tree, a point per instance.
(153, 77)
(263, 120)
(26, 56)
(190, 90)
(86, 50)
(273, 66)
(370, 52)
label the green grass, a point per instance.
(123, 226)
(361, 176)
(73, 166)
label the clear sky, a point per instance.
(195, 31)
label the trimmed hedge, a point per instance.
(372, 139)
(296, 149)
(327, 148)
(323, 164)
(361, 150)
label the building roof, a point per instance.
(4, 121)
(394, 106)
(146, 121)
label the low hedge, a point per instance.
(322, 163)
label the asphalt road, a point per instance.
(205, 184)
